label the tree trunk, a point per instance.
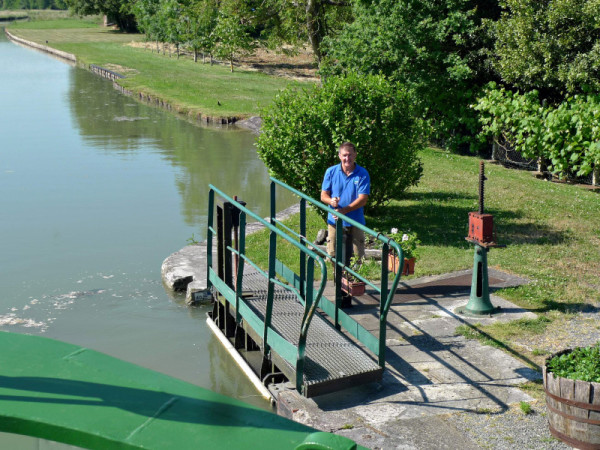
(314, 27)
(195, 55)
(495, 150)
(231, 62)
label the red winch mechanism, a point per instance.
(482, 235)
(481, 226)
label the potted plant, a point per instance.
(350, 284)
(572, 385)
(409, 243)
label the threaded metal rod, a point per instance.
(481, 185)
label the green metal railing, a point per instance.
(386, 294)
(292, 353)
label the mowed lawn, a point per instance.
(190, 88)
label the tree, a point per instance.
(436, 48)
(146, 13)
(296, 22)
(117, 10)
(171, 13)
(302, 130)
(231, 33)
(201, 19)
(549, 45)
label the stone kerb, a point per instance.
(185, 270)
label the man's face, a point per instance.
(347, 157)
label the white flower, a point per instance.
(394, 230)
(404, 237)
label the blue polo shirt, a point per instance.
(347, 188)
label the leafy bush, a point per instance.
(582, 363)
(548, 45)
(302, 130)
(517, 118)
(566, 135)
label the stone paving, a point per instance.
(431, 371)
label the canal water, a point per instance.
(96, 190)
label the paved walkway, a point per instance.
(432, 375)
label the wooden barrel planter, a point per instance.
(573, 409)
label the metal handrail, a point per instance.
(386, 295)
(311, 298)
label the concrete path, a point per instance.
(431, 371)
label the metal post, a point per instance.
(346, 258)
(227, 243)
(302, 254)
(479, 300)
(229, 328)
(220, 234)
(339, 235)
(210, 236)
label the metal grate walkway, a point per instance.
(333, 361)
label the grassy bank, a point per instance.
(551, 232)
(194, 89)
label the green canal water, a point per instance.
(96, 190)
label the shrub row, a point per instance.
(566, 136)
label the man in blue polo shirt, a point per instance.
(346, 188)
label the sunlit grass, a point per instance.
(193, 89)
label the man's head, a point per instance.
(347, 155)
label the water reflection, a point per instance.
(117, 124)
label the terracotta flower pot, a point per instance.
(354, 288)
(394, 264)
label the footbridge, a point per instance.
(280, 311)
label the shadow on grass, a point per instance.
(566, 308)
(438, 223)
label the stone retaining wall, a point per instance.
(44, 48)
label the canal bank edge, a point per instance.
(185, 270)
(44, 48)
(253, 123)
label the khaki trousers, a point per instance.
(358, 241)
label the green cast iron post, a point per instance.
(209, 235)
(479, 300)
(240, 267)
